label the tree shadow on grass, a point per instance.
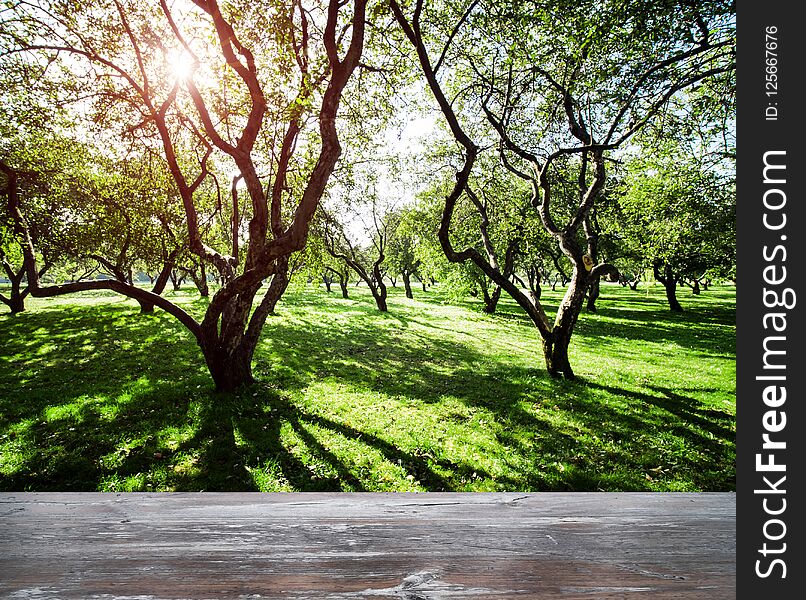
(697, 440)
(261, 438)
(398, 365)
(139, 413)
(696, 329)
(75, 430)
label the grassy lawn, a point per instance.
(435, 395)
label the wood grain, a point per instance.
(367, 546)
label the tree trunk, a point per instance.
(380, 301)
(533, 276)
(491, 300)
(695, 289)
(229, 354)
(16, 301)
(593, 295)
(555, 348)
(228, 346)
(344, 279)
(555, 352)
(407, 285)
(159, 282)
(378, 290)
(145, 307)
(671, 295)
(201, 281)
(176, 280)
(232, 370)
(377, 286)
(278, 285)
(327, 281)
(669, 282)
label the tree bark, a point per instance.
(228, 348)
(16, 301)
(229, 370)
(176, 279)
(669, 282)
(160, 281)
(533, 276)
(593, 295)
(380, 300)
(671, 296)
(344, 279)
(555, 353)
(407, 285)
(200, 281)
(491, 300)
(374, 281)
(555, 346)
(377, 286)
(278, 285)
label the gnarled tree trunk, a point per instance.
(278, 285)
(669, 282)
(555, 346)
(16, 299)
(593, 295)
(491, 300)
(160, 281)
(407, 284)
(200, 280)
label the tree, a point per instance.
(681, 215)
(401, 256)
(365, 260)
(539, 261)
(123, 215)
(21, 169)
(234, 84)
(563, 85)
(488, 219)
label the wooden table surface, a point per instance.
(367, 546)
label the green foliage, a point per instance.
(681, 211)
(431, 396)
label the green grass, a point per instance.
(432, 396)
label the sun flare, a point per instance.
(181, 64)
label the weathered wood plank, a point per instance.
(367, 546)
